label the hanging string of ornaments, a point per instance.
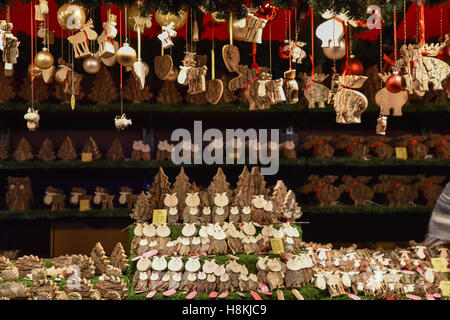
(413, 68)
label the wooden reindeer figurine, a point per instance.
(80, 40)
(388, 101)
(315, 92)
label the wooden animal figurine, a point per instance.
(352, 146)
(167, 34)
(294, 49)
(399, 190)
(191, 212)
(290, 87)
(121, 122)
(440, 145)
(127, 197)
(105, 41)
(19, 195)
(9, 44)
(388, 101)
(416, 148)
(379, 148)
(323, 189)
(103, 197)
(315, 92)
(320, 146)
(430, 188)
(32, 117)
(80, 41)
(350, 104)
(56, 198)
(357, 189)
(421, 67)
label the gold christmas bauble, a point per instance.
(178, 20)
(335, 53)
(173, 75)
(91, 65)
(126, 55)
(44, 59)
(36, 71)
(71, 16)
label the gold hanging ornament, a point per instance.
(165, 19)
(91, 65)
(44, 59)
(126, 55)
(71, 16)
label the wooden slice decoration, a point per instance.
(214, 90)
(231, 57)
(163, 66)
(47, 74)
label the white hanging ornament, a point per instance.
(121, 122)
(32, 117)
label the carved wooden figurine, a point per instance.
(315, 92)
(19, 194)
(388, 101)
(323, 189)
(320, 146)
(80, 40)
(357, 189)
(350, 104)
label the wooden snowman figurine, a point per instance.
(141, 278)
(246, 214)
(175, 267)
(171, 205)
(159, 266)
(191, 212)
(221, 211)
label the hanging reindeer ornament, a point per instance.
(80, 40)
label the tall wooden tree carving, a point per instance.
(23, 152)
(91, 147)
(142, 210)
(134, 94)
(116, 151)
(242, 192)
(257, 182)
(46, 152)
(119, 258)
(278, 197)
(7, 92)
(100, 261)
(181, 186)
(158, 190)
(219, 185)
(67, 150)
(104, 89)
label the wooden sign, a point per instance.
(85, 205)
(401, 153)
(445, 288)
(159, 216)
(277, 245)
(439, 264)
(86, 157)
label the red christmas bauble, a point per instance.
(394, 83)
(267, 11)
(355, 67)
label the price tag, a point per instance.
(86, 157)
(159, 216)
(85, 205)
(439, 264)
(445, 288)
(401, 153)
(277, 245)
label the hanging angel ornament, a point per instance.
(9, 44)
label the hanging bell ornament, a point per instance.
(394, 83)
(44, 59)
(355, 67)
(71, 16)
(126, 55)
(165, 19)
(91, 65)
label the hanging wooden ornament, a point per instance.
(167, 34)
(214, 87)
(315, 92)
(106, 48)
(230, 53)
(381, 125)
(163, 66)
(140, 23)
(80, 41)
(387, 100)
(121, 122)
(350, 104)
(32, 117)
(9, 44)
(290, 86)
(292, 50)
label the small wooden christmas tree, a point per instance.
(7, 93)
(46, 152)
(115, 152)
(104, 89)
(181, 186)
(141, 211)
(134, 94)
(279, 196)
(91, 147)
(219, 185)
(169, 94)
(4, 152)
(158, 190)
(23, 152)
(67, 150)
(99, 257)
(242, 192)
(119, 258)
(40, 89)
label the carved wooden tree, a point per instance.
(116, 151)
(27, 263)
(112, 288)
(219, 185)
(98, 255)
(40, 90)
(7, 92)
(142, 210)
(181, 186)
(46, 152)
(104, 89)
(91, 147)
(257, 183)
(243, 197)
(291, 208)
(4, 152)
(67, 150)
(227, 95)
(158, 190)
(23, 152)
(132, 93)
(278, 196)
(118, 258)
(169, 94)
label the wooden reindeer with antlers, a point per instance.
(80, 40)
